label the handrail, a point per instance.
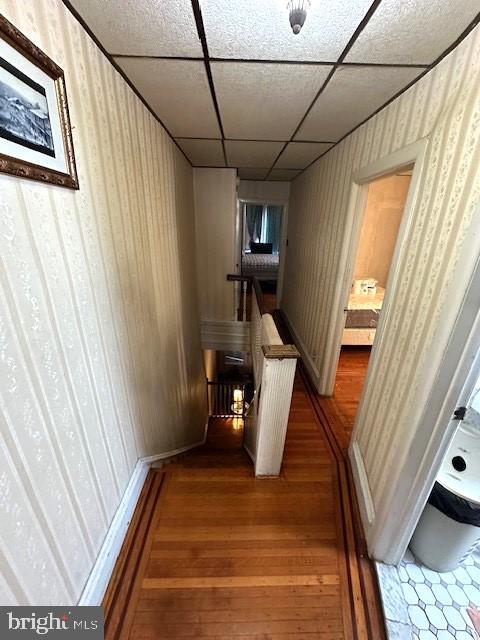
(247, 280)
(259, 294)
(233, 277)
(274, 365)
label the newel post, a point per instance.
(278, 374)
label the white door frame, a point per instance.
(413, 153)
(390, 526)
(452, 387)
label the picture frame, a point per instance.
(35, 131)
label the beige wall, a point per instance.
(383, 213)
(215, 220)
(99, 340)
(444, 105)
(265, 191)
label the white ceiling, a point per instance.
(351, 95)
(178, 92)
(243, 153)
(143, 27)
(412, 31)
(264, 100)
(259, 29)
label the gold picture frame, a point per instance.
(35, 131)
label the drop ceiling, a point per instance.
(234, 87)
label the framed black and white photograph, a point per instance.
(35, 132)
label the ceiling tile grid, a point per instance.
(350, 97)
(265, 101)
(203, 153)
(260, 30)
(178, 92)
(275, 100)
(143, 27)
(298, 155)
(412, 31)
(256, 154)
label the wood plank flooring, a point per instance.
(227, 556)
(341, 408)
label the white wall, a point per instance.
(267, 191)
(215, 220)
(443, 105)
(100, 359)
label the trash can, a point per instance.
(449, 528)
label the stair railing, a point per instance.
(274, 366)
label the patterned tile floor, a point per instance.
(437, 602)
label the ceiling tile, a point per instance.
(203, 153)
(264, 101)
(261, 30)
(412, 31)
(283, 174)
(178, 92)
(299, 155)
(143, 27)
(241, 153)
(252, 174)
(350, 97)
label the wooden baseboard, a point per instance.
(101, 573)
(121, 595)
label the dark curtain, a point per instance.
(274, 227)
(253, 219)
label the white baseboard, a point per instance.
(224, 335)
(306, 357)
(97, 583)
(362, 486)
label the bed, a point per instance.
(363, 313)
(263, 266)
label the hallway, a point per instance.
(228, 555)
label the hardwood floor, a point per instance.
(226, 555)
(341, 408)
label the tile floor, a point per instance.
(437, 602)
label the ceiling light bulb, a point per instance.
(298, 14)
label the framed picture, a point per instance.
(35, 133)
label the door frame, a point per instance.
(388, 530)
(412, 154)
(241, 203)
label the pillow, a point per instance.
(261, 247)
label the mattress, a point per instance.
(261, 265)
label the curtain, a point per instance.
(273, 226)
(253, 219)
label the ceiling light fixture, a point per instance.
(297, 14)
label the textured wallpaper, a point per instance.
(100, 359)
(444, 105)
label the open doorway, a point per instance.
(261, 242)
(385, 204)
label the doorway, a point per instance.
(262, 245)
(386, 197)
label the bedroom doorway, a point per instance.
(385, 203)
(261, 245)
